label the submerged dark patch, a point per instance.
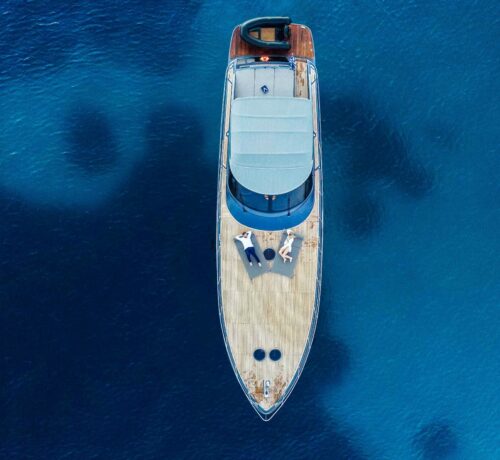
(330, 359)
(91, 141)
(371, 153)
(376, 149)
(436, 441)
(361, 214)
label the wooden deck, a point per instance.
(301, 80)
(301, 42)
(272, 311)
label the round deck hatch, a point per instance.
(259, 354)
(275, 354)
(269, 254)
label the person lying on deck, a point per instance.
(246, 240)
(287, 247)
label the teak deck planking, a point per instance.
(272, 311)
(301, 88)
(301, 42)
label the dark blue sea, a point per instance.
(110, 343)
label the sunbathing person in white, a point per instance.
(287, 247)
(246, 240)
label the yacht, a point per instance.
(269, 198)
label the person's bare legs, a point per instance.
(283, 252)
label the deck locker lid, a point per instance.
(271, 142)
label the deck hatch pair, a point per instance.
(260, 354)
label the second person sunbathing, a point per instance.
(287, 247)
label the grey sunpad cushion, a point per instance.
(254, 270)
(288, 268)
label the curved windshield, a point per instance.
(270, 203)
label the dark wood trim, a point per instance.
(301, 42)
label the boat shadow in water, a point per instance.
(330, 359)
(370, 153)
(92, 146)
(436, 441)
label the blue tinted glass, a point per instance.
(270, 203)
